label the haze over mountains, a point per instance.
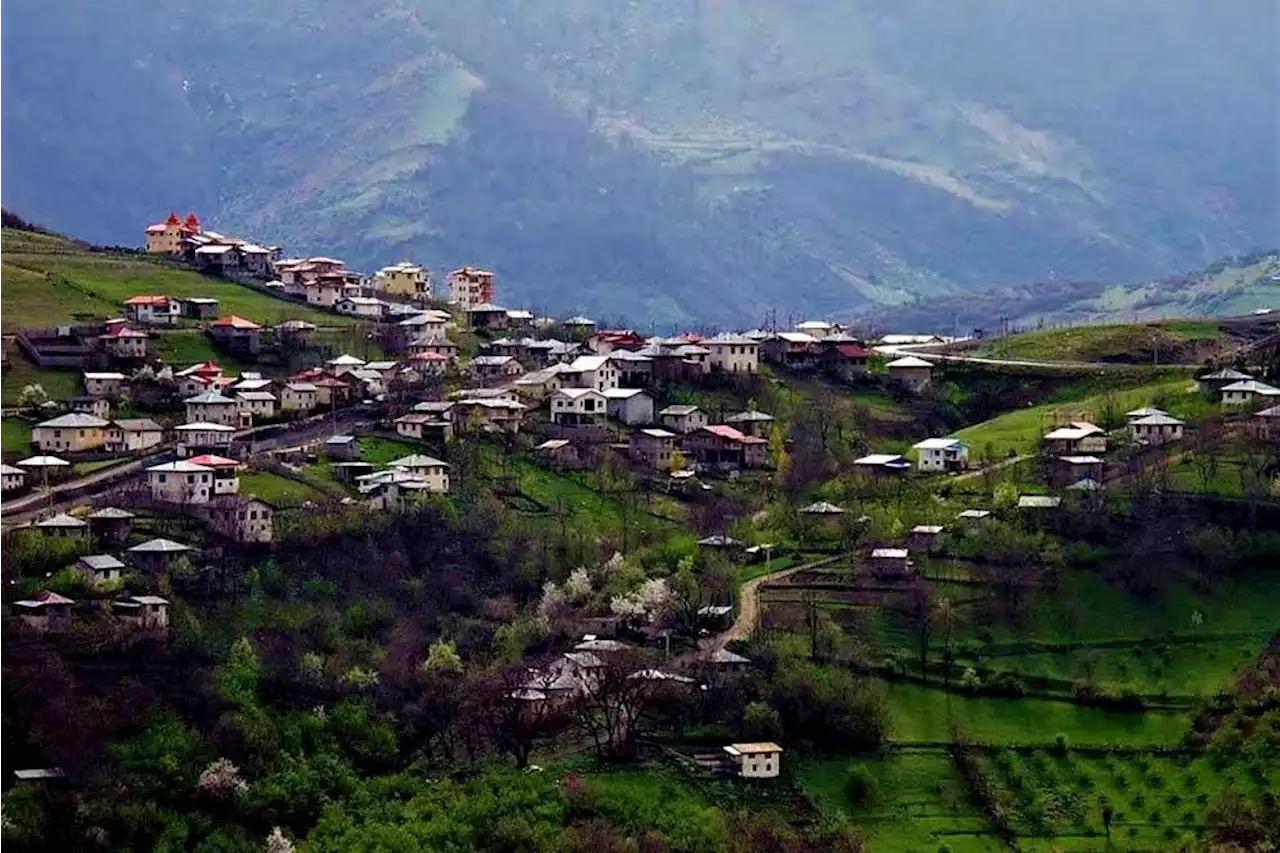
(667, 160)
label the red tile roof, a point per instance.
(853, 351)
(147, 300)
(725, 431)
(235, 322)
(210, 460)
(123, 331)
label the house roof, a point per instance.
(210, 398)
(729, 433)
(588, 362)
(102, 562)
(823, 508)
(418, 460)
(1159, 420)
(296, 326)
(718, 542)
(553, 444)
(927, 529)
(210, 460)
(234, 322)
(939, 444)
(813, 324)
(1038, 502)
(658, 433)
(909, 361)
(890, 553)
(159, 546)
(623, 393)
(1273, 412)
(181, 466)
(493, 360)
(302, 387)
(147, 300)
(137, 425)
(576, 393)
(214, 250)
(910, 339)
(61, 521)
(1068, 433)
(44, 599)
(111, 513)
(204, 368)
(853, 351)
(1227, 374)
(255, 383)
(149, 599)
(1144, 411)
(678, 411)
(204, 426)
(752, 748)
(436, 406)
(1081, 460)
(1088, 484)
(658, 675)
(10, 471)
(125, 332)
(796, 337)
(974, 513)
(345, 360)
(892, 459)
(256, 396)
(74, 420)
(107, 375)
(724, 656)
(42, 462)
(1253, 386)
(750, 417)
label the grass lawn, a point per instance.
(58, 384)
(184, 348)
(1020, 431)
(278, 490)
(51, 281)
(80, 469)
(380, 451)
(1100, 343)
(917, 802)
(16, 436)
(923, 714)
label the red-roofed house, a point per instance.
(165, 238)
(846, 360)
(236, 334)
(122, 342)
(226, 472)
(153, 310)
(721, 447)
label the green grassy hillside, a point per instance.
(48, 281)
(1186, 342)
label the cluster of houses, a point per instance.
(102, 574)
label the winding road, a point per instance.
(748, 615)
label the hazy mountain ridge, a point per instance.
(678, 158)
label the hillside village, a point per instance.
(162, 486)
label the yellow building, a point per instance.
(165, 238)
(404, 279)
(72, 433)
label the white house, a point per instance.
(361, 306)
(941, 454)
(212, 407)
(130, 435)
(577, 406)
(1156, 429)
(816, 328)
(180, 483)
(629, 405)
(733, 354)
(756, 760)
(915, 373)
(14, 478)
(298, 397)
(203, 436)
(103, 384)
(591, 371)
(1248, 394)
(683, 419)
(99, 570)
(427, 326)
(257, 405)
(434, 471)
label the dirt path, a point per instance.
(748, 617)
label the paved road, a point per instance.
(922, 351)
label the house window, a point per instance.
(163, 478)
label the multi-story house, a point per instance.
(470, 286)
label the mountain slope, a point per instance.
(666, 160)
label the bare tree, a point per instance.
(616, 701)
